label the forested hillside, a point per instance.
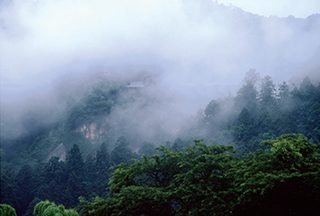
(256, 164)
(264, 111)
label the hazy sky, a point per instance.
(298, 8)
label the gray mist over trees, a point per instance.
(185, 53)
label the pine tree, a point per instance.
(75, 181)
(7, 177)
(121, 153)
(147, 149)
(102, 169)
(25, 188)
(53, 175)
(283, 94)
(74, 161)
(247, 94)
(102, 160)
(91, 175)
(267, 93)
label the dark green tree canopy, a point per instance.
(267, 92)
(46, 208)
(7, 210)
(213, 180)
(121, 152)
(74, 161)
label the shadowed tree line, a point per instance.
(281, 179)
(62, 181)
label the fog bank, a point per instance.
(194, 51)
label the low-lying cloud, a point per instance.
(195, 50)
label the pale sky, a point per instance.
(282, 8)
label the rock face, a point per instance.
(91, 131)
(60, 151)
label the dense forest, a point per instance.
(253, 154)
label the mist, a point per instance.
(193, 50)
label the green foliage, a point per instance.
(247, 97)
(147, 149)
(275, 113)
(293, 151)
(53, 175)
(97, 103)
(7, 210)
(25, 183)
(283, 94)
(162, 184)
(212, 180)
(101, 169)
(267, 93)
(244, 126)
(76, 175)
(103, 160)
(212, 109)
(291, 166)
(74, 161)
(7, 185)
(96, 207)
(122, 152)
(133, 200)
(202, 185)
(46, 208)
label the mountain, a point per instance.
(218, 43)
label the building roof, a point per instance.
(135, 84)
